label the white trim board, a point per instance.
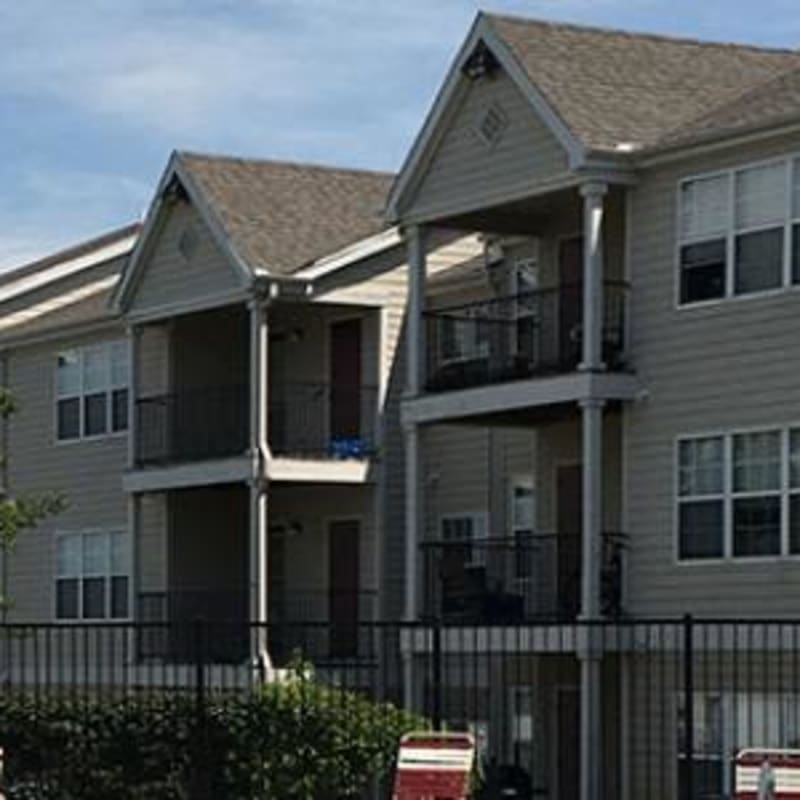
(179, 476)
(518, 395)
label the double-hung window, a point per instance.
(739, 231)
(739, 495)
(701, 497)
(92, 575)
(92, 391)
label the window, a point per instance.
(757, 494)
(466, 529)
(523, 521)
(92, 391)
(733, 229)
(701, 497)
(726, 722)
(92, 575)
(703, 228)
(527, 311)
(739, 495)
(464, 337)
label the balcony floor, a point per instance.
(519, 399)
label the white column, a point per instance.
(593, 200)
(415, 329)
(259, 340)
(589, 653)
(415, 350)
(134, 334)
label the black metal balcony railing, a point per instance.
(325, 622)
(519, 336)
(191, 425)
(321, 420)
(511, 580)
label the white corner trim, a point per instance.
(358, 251)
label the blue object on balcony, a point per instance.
(342, 447)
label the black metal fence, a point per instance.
(508, 338)
(678, 697)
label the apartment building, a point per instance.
(215, 395)
(636, 317)
(553, 391)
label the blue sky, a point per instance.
(94, 94)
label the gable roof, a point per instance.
(615, 88)
(69, 288)
(281, 217)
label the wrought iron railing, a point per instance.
(329, 620)
(519, 336)
(512, 580)
(322, 420)
(191, 425)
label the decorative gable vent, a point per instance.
(187, 244)
(491, 125)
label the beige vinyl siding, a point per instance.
(153, 360)
(465, 172)
(151, 547)
(88, 473)
(168, 277)
(307, 512)
(728, 365)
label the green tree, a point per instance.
(18, 514)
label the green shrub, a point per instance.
(299, 739)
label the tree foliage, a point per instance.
(18, 514)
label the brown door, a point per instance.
(569, 513)
(568, 758)
(570, 302)
(345, 379)
(344, 537)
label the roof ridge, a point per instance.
(76, 250)
(330, 168)
(659, 37)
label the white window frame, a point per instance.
(791, 164)
(81, 619)
(728, 495)
(81, 352)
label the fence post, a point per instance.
(688, 705)
(200, 789)
(437, 674)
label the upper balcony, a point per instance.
(500, 580)
(520, 336)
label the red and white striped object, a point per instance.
(768, 775)
(434, 766)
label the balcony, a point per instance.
(521, 336)
(322, 421)
(192, 425)
(507, 581)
